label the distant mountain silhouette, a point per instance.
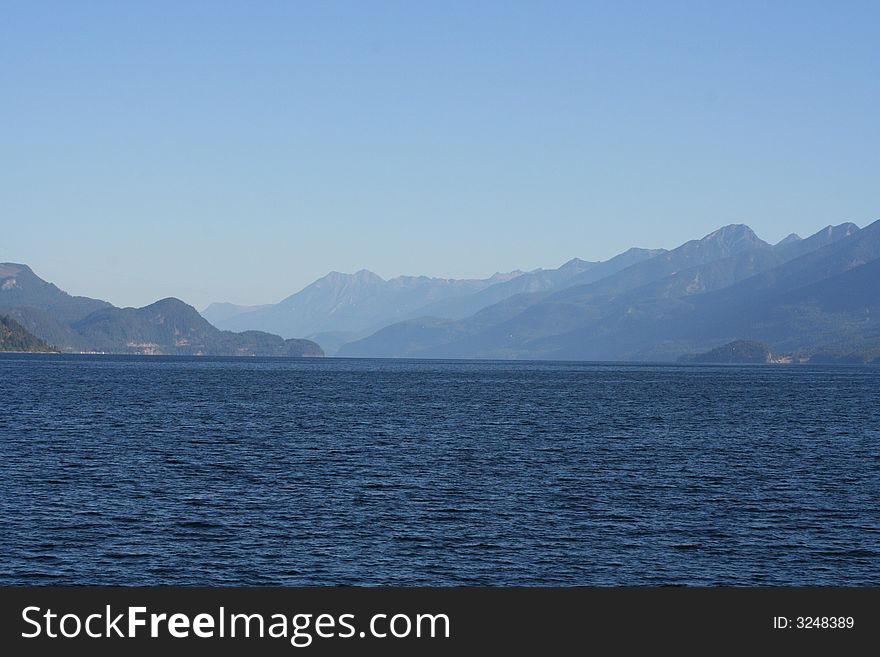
(573, 272)
(792, 248)
(165, 327)
(656, 309)
(355, 303)
(538, 280)
(789, 239)
(340, 308)
(494, 331)
(219, 312)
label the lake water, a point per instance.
(140, 470)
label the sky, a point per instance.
(237, 151)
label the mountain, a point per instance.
(13, 337)
(826, 296)
(814, 298)
(20, 287)
(792, 238)
(822, 299)
(489, 333)
(792, 248)
(331, 341)
(587, 321)
(170, 326)
(219, 312)
(341, 308)
(573, 272)
(41, 307)
(355, 303)
(165, 327)
(538, 280)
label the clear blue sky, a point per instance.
(239, 150)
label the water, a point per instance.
(117, 470)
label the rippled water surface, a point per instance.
(118, 470)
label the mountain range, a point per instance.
(340, 308)
(80, 324)
(726, 286)
(814, 299)
(343, 307)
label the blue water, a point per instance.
(139, 470)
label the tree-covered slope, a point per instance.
(13, 337)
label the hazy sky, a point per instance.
(239, 150)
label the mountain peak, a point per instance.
(360, 276)
(732, 232)
(576, 263)
(841, 230)
(366, 274)
(171, 303)
(12, 268)
(790, 239)
(732, 239)
(500, 276)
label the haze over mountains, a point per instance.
(351, 305)
(640, 305)
(340, 308)
(729, 285)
